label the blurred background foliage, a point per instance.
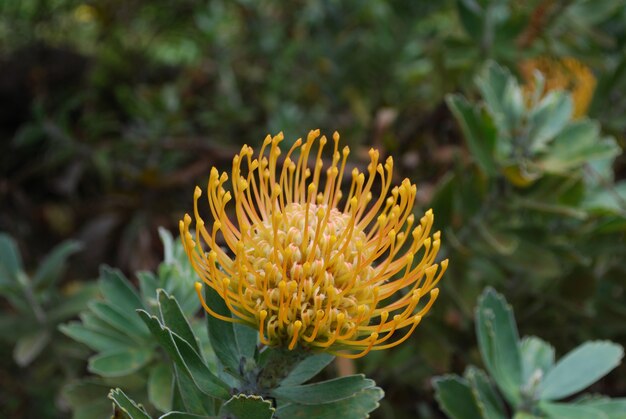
(112, 111)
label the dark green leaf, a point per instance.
(222, 334)
(190, 396)
(126, 405)
(498, 341)
(325, 391)
(307, 369)
(478, 131)
(175, 320)
(244, 406)
(160, 384)
(487, 398)
(356, 407)
(455, 397)
(186, 358)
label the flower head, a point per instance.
(308, 266)
(563, 74)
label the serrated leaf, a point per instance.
(455, 397)
(51, 269)
(325, 391)
(160, 384)
(570, 411)
(243, 406)
(537, 355)
(10, 258)
(175, 320)
(307, 369)
(95, 340)
(183, 415)
(126, 405)
(30, 346)
(186, 358)
(580, 368)
(498, 341)
(487, 398)
(356, 407)
(120, 362)
(222, 334)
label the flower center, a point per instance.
(307, 266)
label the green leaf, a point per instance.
(580, 368)
(537, 355)
(122, 322)
(30, 346)
(570, 411)
(356, 407)
(175, 320)
(191, 397)
(307, 369)
(118, 291)
(10, 258)
(607, 200)
(325, 391)
(228, 349)
(183, 415)
(498, 341)
(95, 340)
(612, 408)
(148, 284)
(160, 383)
(478, 131)
(120, 362)
(455, 397)
(487, 399)
(126, 405)
(243, 406)
(186, 358)
(576, 144)
(548, 119)
(53, 265)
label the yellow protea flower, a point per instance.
(304, 265)
(563, 74)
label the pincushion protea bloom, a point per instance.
(307, 266)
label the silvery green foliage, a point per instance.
(247, 381)
(161, 360)
(124, 351)
(524, 375)
(38, 302)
